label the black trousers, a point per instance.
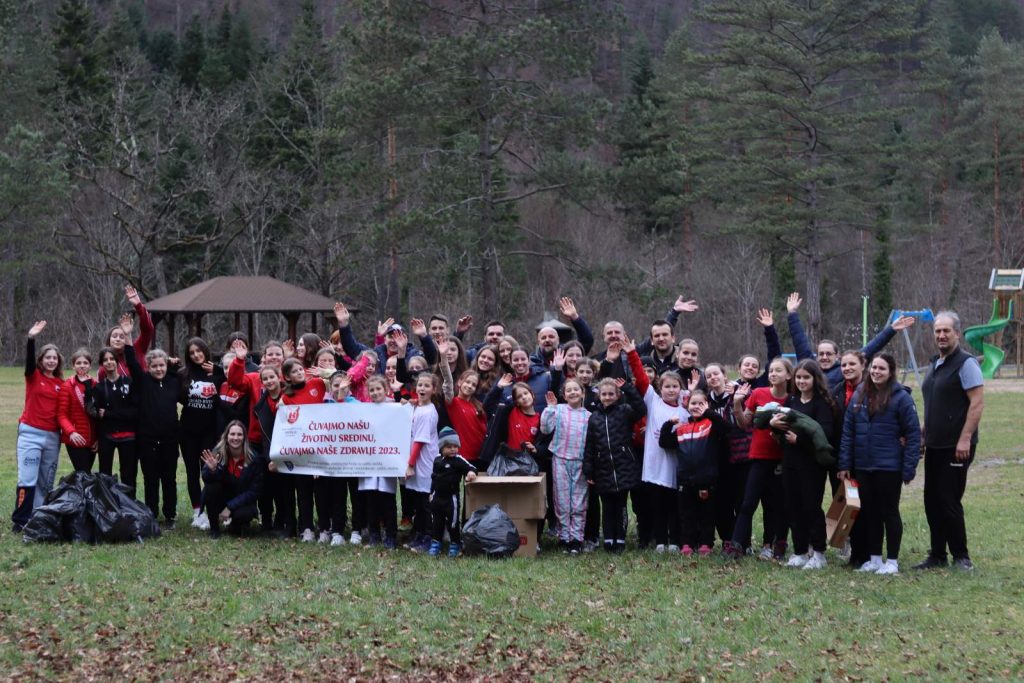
(804, 488)
(329, 496)
(381, 512)
(592, 525)
(128, 460)
(192, 447)
(642, 511)
(420, 502)
(613, 508)
(697, 516)
(304, 498)
(444, 513)
(356, 498)
(664, 513)
(880, 511)
(945, 480)
(728, 496)
(216, 496)
(159, 460)
(282, 489)
(762, 482)
(407, 505)
(82, 458)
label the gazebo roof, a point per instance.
(239, 294)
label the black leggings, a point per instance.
(381, 512)
(592, 525)
(613, 508)
(128, 460)
(192, 447)
(761, 480)
(421, 523)
(304, 497)
(159, 459)
(697, 516)
(83, 458)
(664, 513)
(880, 511)
(804, 488)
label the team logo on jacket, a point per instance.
(289, 464)
(293, 414)
(314, 392)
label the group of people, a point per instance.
(644, 425)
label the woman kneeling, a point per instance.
(233, 475)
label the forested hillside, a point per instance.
(486, 157)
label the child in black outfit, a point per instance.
(444, 492)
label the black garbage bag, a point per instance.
(510, 463)
(62, 517)
(490, 531)
(116, 514)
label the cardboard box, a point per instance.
(842, 513)
(528, 538)
(519, 497)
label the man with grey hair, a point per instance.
(953, 402)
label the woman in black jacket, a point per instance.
(158, 390)
(609, 462)
(233, 475)
(113, 402)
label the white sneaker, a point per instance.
(673, 549)
(844, 552)
(196, 514)
(660, 548)
(766, 553)
(797, 561)
(816, 561)
(308, 536)
(889, 567)
(325, 537)
(204, 522)
(356, 538)
(871, 565)
(337, 539)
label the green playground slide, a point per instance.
(992, 355)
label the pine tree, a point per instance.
(80, 65)
(802, 85)
(191, 54)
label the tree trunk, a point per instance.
(491, 303)
(996, 228)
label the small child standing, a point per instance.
(699, 443)
(444, 492)
(567, 422)
(378, 493)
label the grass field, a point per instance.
(186, 607)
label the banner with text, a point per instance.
(343, 439)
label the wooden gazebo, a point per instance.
(236, 295)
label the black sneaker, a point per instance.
(931, 562)
(964, 564)
(168, 524)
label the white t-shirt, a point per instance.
(659, 464)
(384, 484)
(424, 431)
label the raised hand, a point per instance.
(418, 327)
(903, 322)
(764, 316)
(614, 351)
(567, 308)
(210, 459)
(463, 324)
(793, 302)
(401, 340)
(683, 306)
(382, 327)
(288, 346)
(207, 367)
(551, 399)
(132, 295)
(239, 348)
(694, 380)
(38, 327)
(341, 314)
(558, 359)
(627, 344)
(741, 392)
(127, 324)
(506, 380)
(324, 344)
(620, 382)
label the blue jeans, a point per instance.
(38, 452)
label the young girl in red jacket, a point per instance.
(302, 390)
(38, 428)
(77, 431)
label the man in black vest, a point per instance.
(953, 401)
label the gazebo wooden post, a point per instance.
(312, 316)
(169, 319)
(293, 323)
(238, 321)
(251, 339)
(199, 324)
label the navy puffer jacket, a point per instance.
(874, 442)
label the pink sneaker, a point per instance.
(687, 551)
(704, 550)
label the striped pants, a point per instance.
(570, 497)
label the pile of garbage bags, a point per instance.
(491, 532)
(91, 508)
